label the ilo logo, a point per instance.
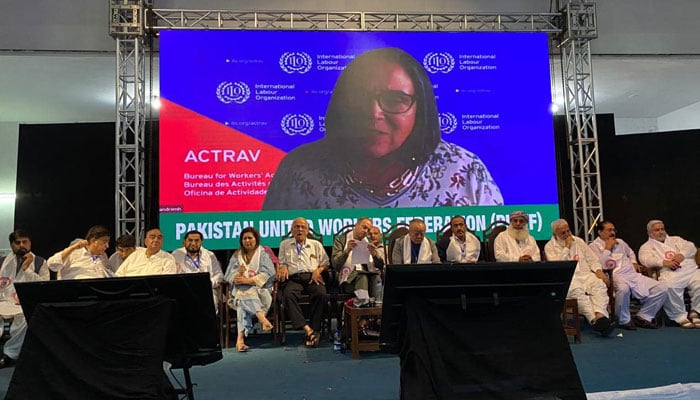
(448, 122)
(435, 62)
(297, 124)
(232, 92)
(295, 61)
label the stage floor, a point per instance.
(661, 362)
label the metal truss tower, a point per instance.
(582, 134)
(573, 28)
(126, 26)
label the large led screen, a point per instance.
(260, 127)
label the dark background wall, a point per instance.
(65, 182)
(651, 176)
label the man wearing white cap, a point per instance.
(589, 285)
(676, 258)
(516, 243)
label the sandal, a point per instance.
(312, 339)
(684, 323)
(694, 317)
(242, 348)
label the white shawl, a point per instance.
(424, 255)
(457, 251)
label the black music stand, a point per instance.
(189, 330)
(480, 331)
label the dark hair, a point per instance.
(126, 241)
(254, 232)
(96, 232)
(18, 233)
(425, 135)
(194, 232)
(457, 216)
(601, 225)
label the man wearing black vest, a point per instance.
(20, 266)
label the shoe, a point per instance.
(6, 361)
(642, 323)
(628, 326)
(603, 326)
(694, 317)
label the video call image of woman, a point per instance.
(382, 147)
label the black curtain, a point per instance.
(65, 182)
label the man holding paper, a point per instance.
(357, 260)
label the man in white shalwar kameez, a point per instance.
(460, 247)
(589, 283)
(615, 255)
(676, 258)
(516, 243)
(414, 247)
(150, 260)
(20, 266)
(192, 257)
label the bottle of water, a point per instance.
(336, 340)
(379, 292)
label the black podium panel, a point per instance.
(108, 338)
(95, 350)
(194, 337)
(480, 331)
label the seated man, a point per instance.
(676, 258)
(353, 275)
(20, 266)
(375, 237)
(462, 246)
(150, 260)
(589, 283)
(193, 257)
(302, 263)
(614, 254)
(414, 247)
(85, 258)
(126, 244)
(516, 243)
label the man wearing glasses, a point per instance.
(382, 147)
(302, 264)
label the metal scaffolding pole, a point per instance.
(582, 132)
(127, 27)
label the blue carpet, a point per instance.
(639, 359)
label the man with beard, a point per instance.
(192, 258)
(614, 254)
(676, 258)
(461, 246)
(516, 243)
(302, 263)
(353, 275)
(150, 260)
(589, 283)
(21, 266)
(414, 247)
